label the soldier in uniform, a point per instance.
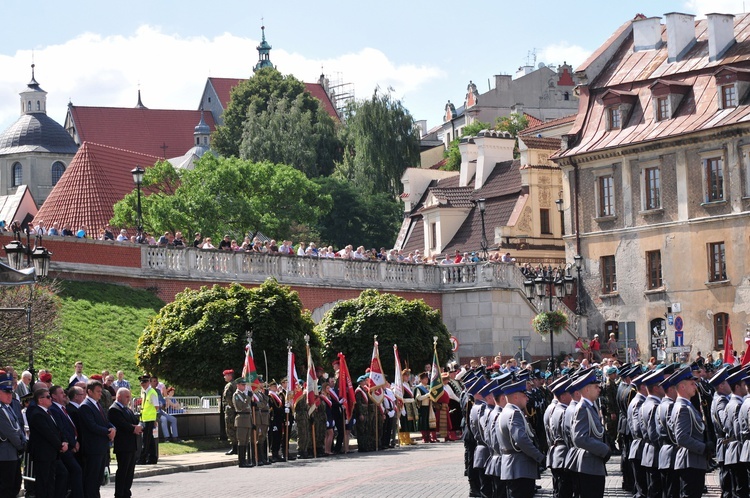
(493, 465)
(718, 419)
(625, 393)
(649, 430)
(484, 446)
(304, 431)
(562, 487)
(521, 459)
(365, 432)
(687, 425)
(229, 413)
(667, 451)
(243, 422)
(733, 446)
(636, 448)
(278, 420)
(263, 422)
(473, 433)
(591, 453)
(319, 419)
(608, 401)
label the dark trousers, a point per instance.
(739, 479)
(150, 452)
(628, 480)
(93, 472)
(653, 482)
(74, 482)
(499, 487)
(725, 481)
(276, 440)
(44, 473)
(385, 437)
(520, 488)
(562, 486)
(691, 482)
(485, 484)
(10, 478)
(125, 472)
(670, 483)
(338, 419)
(474, 481)
(641, 483)
(590, 486)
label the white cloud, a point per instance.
(171, 71)
(561, 52)
(702, 7)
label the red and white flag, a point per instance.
(728, 347)
(248, 369)
(746, 356)
(291, 373)
(397, 386)
(311, 387)
(346, 387)
(376, 380)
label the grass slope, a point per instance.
(100, 325)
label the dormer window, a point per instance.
(618, 104)
(667, 96)
(728, 96)
(613, 118)
(732, 85)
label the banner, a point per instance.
(397, 386)
(376, 380)
(311, 387)
(248, 370)
(436, 383)
(346, 387)
(728, 347)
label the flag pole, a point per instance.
(286, 402)
(312, 425)
(252, 399)
(377, 407)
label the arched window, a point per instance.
(17, 174)
(28, 106)
(38, 105)
(566, 96)
(58, 168)
(721, 322)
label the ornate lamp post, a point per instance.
(481, 204)
(138, 180)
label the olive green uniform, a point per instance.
(319, 418)
(610, 411)
(304, 434)
(264, 421)
(243, 421)
(229, 412)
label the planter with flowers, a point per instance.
(549, 321)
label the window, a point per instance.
(566, 96)
(609, 275)
(613, 118)
(717, 263)
(28, 106)
(662, 109)
(611, 328)
(58, 169)
(714, 179)
(17, 174)
(38, 105)
(728, 96)
(653, 268)
(433, 235)
(606, 196)
(544, 221)
(721, 322)
(652, 184)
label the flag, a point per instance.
(728, 347)
(398, 383)
(436, 382)
(291, 373)
(248, 369)
(376, 380)
(346, 387)
(311, 387)
(746, 356)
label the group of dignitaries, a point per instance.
(670, 424)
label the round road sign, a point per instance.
(678, 323)
(454, 344)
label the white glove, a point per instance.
(286, 410)
(403, 412)
(391, 413)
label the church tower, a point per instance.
(33, 98)
(264, 50)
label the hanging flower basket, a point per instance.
(550, 321)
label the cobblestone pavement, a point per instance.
(417, 471)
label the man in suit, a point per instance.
(12, 440)
(126, 441)
(96, 433)
(521, 459)
(687, 425)
(47, 444)
(59, 413)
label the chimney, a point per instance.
(680, 34)
(646, 33)
(492, 147)
(720, 34)
(468, 150)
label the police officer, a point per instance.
(636, 448)
(12, 439)
(625, 393)
(718, 419)
(229, 413)
(667, 451)
(562, 487)
(481, 452)
(243, 422)
(650, 434)
(733, 446)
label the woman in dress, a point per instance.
(327, 404)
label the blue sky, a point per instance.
(100, 53)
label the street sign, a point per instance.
(679, 338)
(678, 323)
(454, 344)
(670, 319)
(678, 349)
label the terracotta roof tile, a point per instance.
(532, 121)
(97, 177)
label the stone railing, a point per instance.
(222, 266)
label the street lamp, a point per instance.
(481, 204)
(138, 180)
(580, 309)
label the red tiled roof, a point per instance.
(223, 88)
(97, 177)
(532, 121)
(139, 129)
(532, 130)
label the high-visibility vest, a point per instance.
(148, 410)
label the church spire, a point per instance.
(140, 105)
(264, 50)
(33, 98)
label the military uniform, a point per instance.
(362, 422)
(278, 421)
(263, 421)
(608, 401)
(243, 422)
(229, 415)
(625, 394)
(690, 460)
(636, 448)
(319, 419)
(304, 432)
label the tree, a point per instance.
(452, 153)
(371, 219)
(227, 195)
(350, 325)
(45, 315)
(513, 124)
(380, 142)
(202, 332)
(254, 94)
(287, 133)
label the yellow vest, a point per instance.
(148, 410)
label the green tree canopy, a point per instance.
(513, 124)
(452, 154)
(380, 142)
(202, 332)
(358, 217)
(283, 131)
(254, 95)
(225, 195)
(350, 325)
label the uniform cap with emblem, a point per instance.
(144, 378)
(487, 388)
(653, 377)
(719, 376)
(514, 387)
(228, 371)
(476, 385)
(524, 375)
(561, 387)
(6, 382)
(638, 379)
(240, 380)
(588, 377)
(685, 373)
(741, 374)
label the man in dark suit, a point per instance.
(126, 441)
(12, 439)
(96, 433)
(46, 445)
(60, 415)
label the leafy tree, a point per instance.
(226, 195)
(283, 131)
(513, 124)
(202, 332)
(380, 142)
(358, 217)
(254, 95)
(350, 325)
(452, 154)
